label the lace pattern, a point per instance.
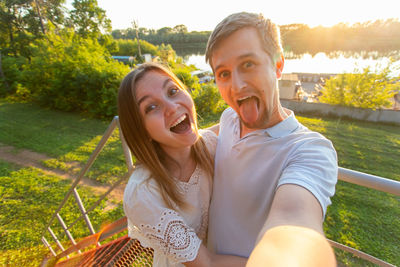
(171, 235)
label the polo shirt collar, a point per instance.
(283, 128)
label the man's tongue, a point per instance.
(248, 110)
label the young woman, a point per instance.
(167, 197)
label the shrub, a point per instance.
(71, 73)
(183, 73)
(12, 69)
(208, 100)
(130, 48)
(363, 90)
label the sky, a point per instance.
(204, 15)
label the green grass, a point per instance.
(28, 198)
(363, 146)
(359, 217)
(68, 138)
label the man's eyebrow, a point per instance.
(165, 83)
(247, 55)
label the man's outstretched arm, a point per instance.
(293, 234)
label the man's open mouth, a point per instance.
(181, 125)
(246, 99)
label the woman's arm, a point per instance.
(205, 258)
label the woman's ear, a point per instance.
(279, 66)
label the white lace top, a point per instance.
(175, 235)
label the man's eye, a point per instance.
(173, 91)
(150, 108)
(223, 74)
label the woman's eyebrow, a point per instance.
(142, 99)
(164, 85)
(166, 82)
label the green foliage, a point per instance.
(22, 22)
(12, 69)
(183, 73)
(379, 35)
(178, 37)
(88, 19)
(208, 100)
(130, 48)
(71, 73)
(167, 54)
(363, 90)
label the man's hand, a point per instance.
(292, 246)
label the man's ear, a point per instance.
(279, 66)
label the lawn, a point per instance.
(28, 198)
(359, 217)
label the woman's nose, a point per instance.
(170, 107)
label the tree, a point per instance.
(72, 73)
(180, 29)
(24, 21)
(363, 90)
(88, 19)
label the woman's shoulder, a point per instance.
(208, 135)
(140, 185)
(210, 138)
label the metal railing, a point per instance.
(373, 182)
(347, 175)
(73, 191)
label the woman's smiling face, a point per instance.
(167, 110)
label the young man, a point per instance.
(273, 177)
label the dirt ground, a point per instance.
(26, 158)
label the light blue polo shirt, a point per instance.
(248, 171)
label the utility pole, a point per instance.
(136, 27)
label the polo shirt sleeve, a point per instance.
(313, 166)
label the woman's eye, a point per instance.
(150, 108)
(173, 91)
(248, 64)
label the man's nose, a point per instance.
(238, 81)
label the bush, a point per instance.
(208, 100)
(130, 48)
(363, 90)
(183, 73)
(70, 73)
(12, 69)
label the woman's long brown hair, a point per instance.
(146, 151)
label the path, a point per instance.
(27, 158)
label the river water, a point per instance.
(321, 63)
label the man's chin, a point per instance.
(260, 123)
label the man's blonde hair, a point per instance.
(267, 30)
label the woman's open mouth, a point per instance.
(181, 125)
